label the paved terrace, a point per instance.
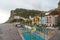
(56, 37)
(9, 32)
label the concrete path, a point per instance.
(56, 37)
(8, 32)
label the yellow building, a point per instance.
(36, 20)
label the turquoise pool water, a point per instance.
(32, 36)
(41, 29)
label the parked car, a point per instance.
(19, 26)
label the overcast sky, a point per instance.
(7, 5)
(28, 4)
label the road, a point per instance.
(56, 37)
(8, 32)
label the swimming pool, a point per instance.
(32, 36)
(42, 29)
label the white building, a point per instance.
(52, 20)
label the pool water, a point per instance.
(41, 29)
(32, 36)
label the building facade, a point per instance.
(52, 20)
(43, 20)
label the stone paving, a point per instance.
(8, 32)
(56, 37)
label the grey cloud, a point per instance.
(29, 4)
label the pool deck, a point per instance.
(20, 33)
(56, 37)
